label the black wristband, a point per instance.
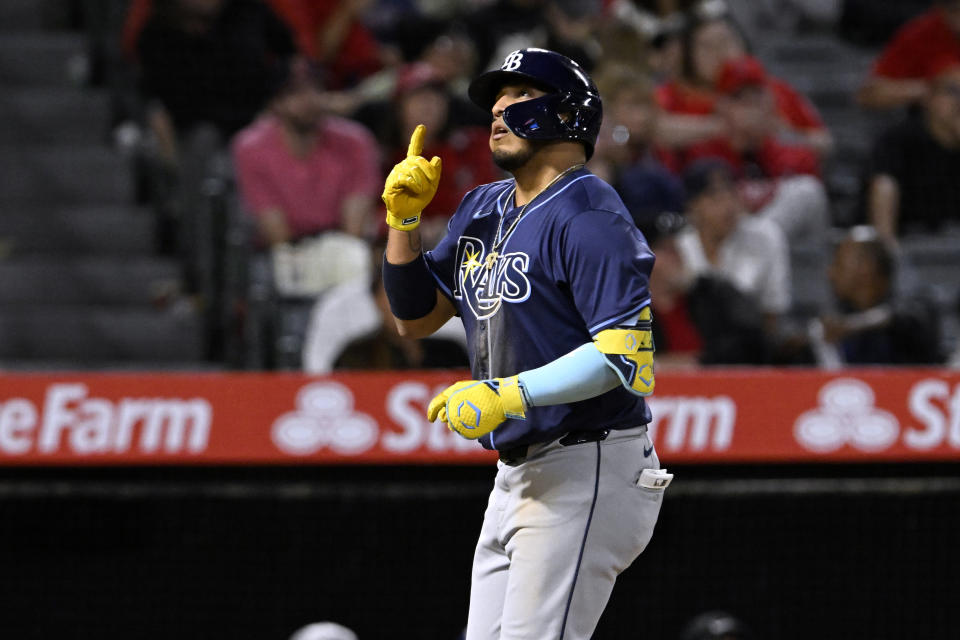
(410, 288)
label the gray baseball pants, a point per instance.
(558, 530)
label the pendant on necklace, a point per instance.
(490, 260)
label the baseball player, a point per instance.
(549, 275)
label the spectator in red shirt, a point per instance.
(626, 155)
(776, 180)
(302, 172)
(690, 99)
(329, 32)
(900, 75)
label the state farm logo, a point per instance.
(324, 418)
(692, 423)
(71, 421)
(846, 415)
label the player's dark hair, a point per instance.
(876, 251)
(700, 176)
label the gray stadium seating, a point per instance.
(81, 285)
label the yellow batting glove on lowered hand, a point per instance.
(474, 408)
(411, 185)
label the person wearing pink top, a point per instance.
(302, 172)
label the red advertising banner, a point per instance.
(716, 416)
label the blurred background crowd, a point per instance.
(195, 183)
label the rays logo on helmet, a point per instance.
(512, 61)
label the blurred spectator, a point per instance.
(872, 324)
(351, 327)
(698, 319)
(626, 155)
(917, 52)
(384, 347)
(332, 33)
(208, 62)
(571, 27)
(722, 239)
(500, 22)
(452, 57)
(311, 181)
(778, 181)
(715, 625)
(916, 164)
(302, 172)
(709, 41)
(323, 631)
(565, 26)
(423, 97)
(206, 68)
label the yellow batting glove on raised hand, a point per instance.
(474, 408)
(411, 185)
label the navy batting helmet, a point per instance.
(571, 110)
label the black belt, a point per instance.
(517, 455)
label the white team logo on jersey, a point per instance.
(485, 288)
(512, 61)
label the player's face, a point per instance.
(943, 104)
(713, 44)
(301, 108)
(717, 209)
(846, 272)
(951, 14)
(510, 151)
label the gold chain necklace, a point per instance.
(491, 258)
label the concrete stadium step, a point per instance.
(21, 14)
(69, 230)
(53, 115)
(64, 174)
(89, 334)
(96, 280)
(815, 48)
(37, 57)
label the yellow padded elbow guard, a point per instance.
(630, 351)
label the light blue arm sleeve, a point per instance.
(581, 374)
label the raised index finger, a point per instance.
(416, 141)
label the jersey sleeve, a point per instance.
(605, 263)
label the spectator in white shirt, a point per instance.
(722, 239)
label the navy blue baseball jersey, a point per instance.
(573, 265)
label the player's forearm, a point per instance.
(579, 375)
(430, 323)
(403, 246)
(886, 93)
(883, 206)
(680, 130)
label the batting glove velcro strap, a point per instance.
(474, 408)
(411, 185)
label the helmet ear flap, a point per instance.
(576, 115)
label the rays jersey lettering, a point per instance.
(484, 289)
